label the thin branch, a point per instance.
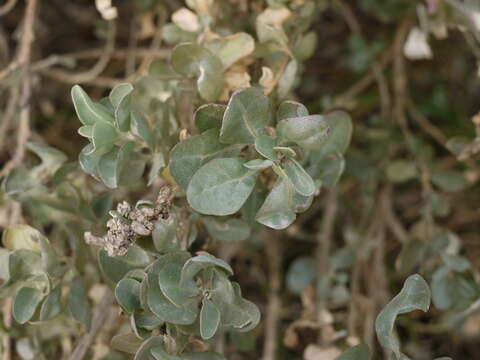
(24, 54)
(273, 249)
(9, 5)
(96, 70)
(391, 219)
(324, 245)
(425, 124)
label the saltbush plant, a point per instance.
(206, 147)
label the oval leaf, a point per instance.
(221, 186)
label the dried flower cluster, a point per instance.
(127, 223)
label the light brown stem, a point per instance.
(24, 56)
(324, 245)
(273, 249)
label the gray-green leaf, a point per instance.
(189, 155)
(277, 210)
(209, 319)
(88, 111)
(221, 186)
(25, 304)
(415, 295)
(247, 113)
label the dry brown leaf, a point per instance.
(267, 80)
(186, 20)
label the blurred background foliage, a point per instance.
(407, 72)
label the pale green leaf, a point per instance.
(209, 116)
(277, 210)
(52, 306)
(127, 293)
(25, 304)
(301, 180)
(232, 48)
(258, 164)
(209, 319)
(227, 230)
(310, 132)
(264, 145)
(88, 111)
(415, 295)
(247, 113)
(191, 59)
(189, 155)
(78, 302)
(221, 186)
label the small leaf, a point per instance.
(189, 155)
(104, 137)
(191, 59)
(113, 163)
(302, 182)
(141, 128)
(78, 302)
(341, 128)
(128, 343)
(301, 273)
(209, 116)
(258, 164)
(415, 295)
(247, 113)
(227, 230)
(25, 304)
(164, 234)
(264, 145)
(291, 109)
(87, 162)
(115, 267)
(121, 99)
(232, 48)
(144, 351)
(16, 237)
(89, 112)
(165, 309)
(401, 171)
(277, 210)
(127, 293)
(310, 132)
(176, 291)
(203, 262)
(326, 169)
(448, 180)
(52, 306)
(209, 319)
(221, 186)
(22, 264)
(287, 79)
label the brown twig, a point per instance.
(324, 244)
(391, 219)
(92, 73)
(425, 124)
(9, 5)
(273, 248)
(23, 131)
